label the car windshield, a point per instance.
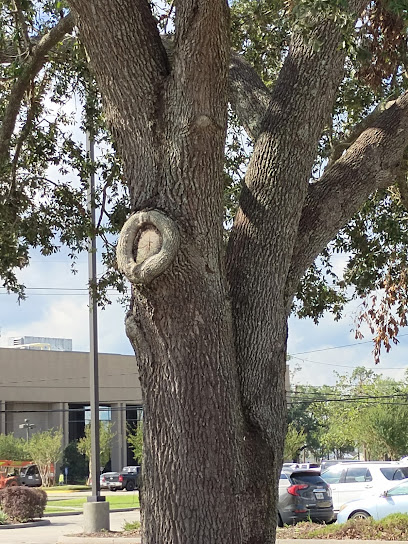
(306, 477)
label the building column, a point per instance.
(2, 417)
(119, 448)
(63, 422)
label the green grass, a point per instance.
(125, 500)
(67, 488)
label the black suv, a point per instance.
(303, 495)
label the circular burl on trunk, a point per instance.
(148, 244)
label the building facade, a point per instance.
(50, 389)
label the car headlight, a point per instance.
(342, 507)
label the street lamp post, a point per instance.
(27, 426)
(96, 510)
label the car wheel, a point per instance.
(359, 514)
(130, 486)
(280, 522)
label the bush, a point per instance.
(23, 503)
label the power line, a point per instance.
(360, 402)
(64, 289)
(340, 347)
(344, 366)
(363, 397)
(86, 408)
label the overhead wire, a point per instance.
(340, 347)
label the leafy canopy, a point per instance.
(362, 412)
(44, 167)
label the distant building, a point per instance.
(40, 343)
(51, 390)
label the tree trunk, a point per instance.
(209, 338)
(181, 332)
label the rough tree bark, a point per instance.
(209, 330)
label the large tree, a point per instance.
(208, 321)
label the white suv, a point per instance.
(358, 480)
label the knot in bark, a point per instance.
(148, 244)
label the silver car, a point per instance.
(106, 478)
(349, 481)
(378, 506)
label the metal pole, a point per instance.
(93, 336)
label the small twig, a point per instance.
(27, 126)
(20, 19)
(104, 196)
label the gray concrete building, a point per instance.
(51, 390)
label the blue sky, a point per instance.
(58, 307)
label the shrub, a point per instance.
(132, 526)
(22, 503)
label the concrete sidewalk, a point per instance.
(61, 526)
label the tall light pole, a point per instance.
(96, 511)
(93, 331)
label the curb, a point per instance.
(78, 513)
(28, 524)
(98, 540)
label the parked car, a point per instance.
(349, 481)
(106, 478)
(303, 495)
(302, 466)
(129, 478)
(326, 463)
(378, 506)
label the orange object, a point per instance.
(10, 471)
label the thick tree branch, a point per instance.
(201, 54)
(372, 162)
(271, 203)
(123, 43)
(368, 121)
(248, 95)
(29, 70)
(120, 36)
(195, 113)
